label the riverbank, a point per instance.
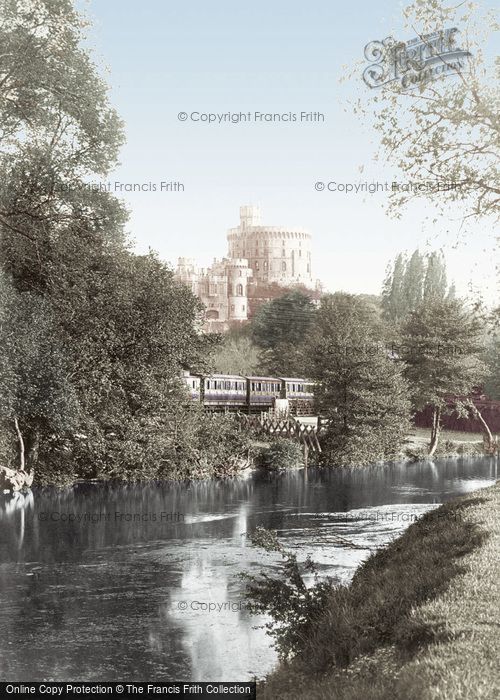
(254, 454)
(419, 621)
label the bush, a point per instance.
(293, 607)
(188, 444)
(282, 453)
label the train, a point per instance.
(231, 392)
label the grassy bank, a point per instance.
(451, 444)
(421, 619)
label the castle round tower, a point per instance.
(275, 253)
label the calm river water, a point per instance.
(115, 582)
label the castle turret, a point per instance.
(238, 273)
(249, 216)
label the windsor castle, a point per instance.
(258, 257)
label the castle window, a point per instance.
(283, 266)
(239, 290)
(232, 307)
(243, 307)
(300, 253)
(256, 264)
(265, 265)
(283, 253)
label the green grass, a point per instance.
(423, 435)
(420, 621)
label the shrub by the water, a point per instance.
(293, 606)
(189, 444)
(282, 453)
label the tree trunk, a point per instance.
(31, 449)
(436, 427)
(487, 432)
(21, 444)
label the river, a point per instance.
(141, 582)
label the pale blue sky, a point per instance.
(269, 56)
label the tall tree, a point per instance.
(361, 390)
(280, 328)
(393, 300)
(442, 348)
(435, 283)
(413, 281)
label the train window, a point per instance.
(208, 383)
(253, 386)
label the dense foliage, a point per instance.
(93, 338)
(279, 328)
(237, 354)
(282, 453)
(362, 392)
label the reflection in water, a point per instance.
(13, 509)
(102, 581)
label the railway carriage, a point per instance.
(300, 394)
(221, 391)
(262, 392)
